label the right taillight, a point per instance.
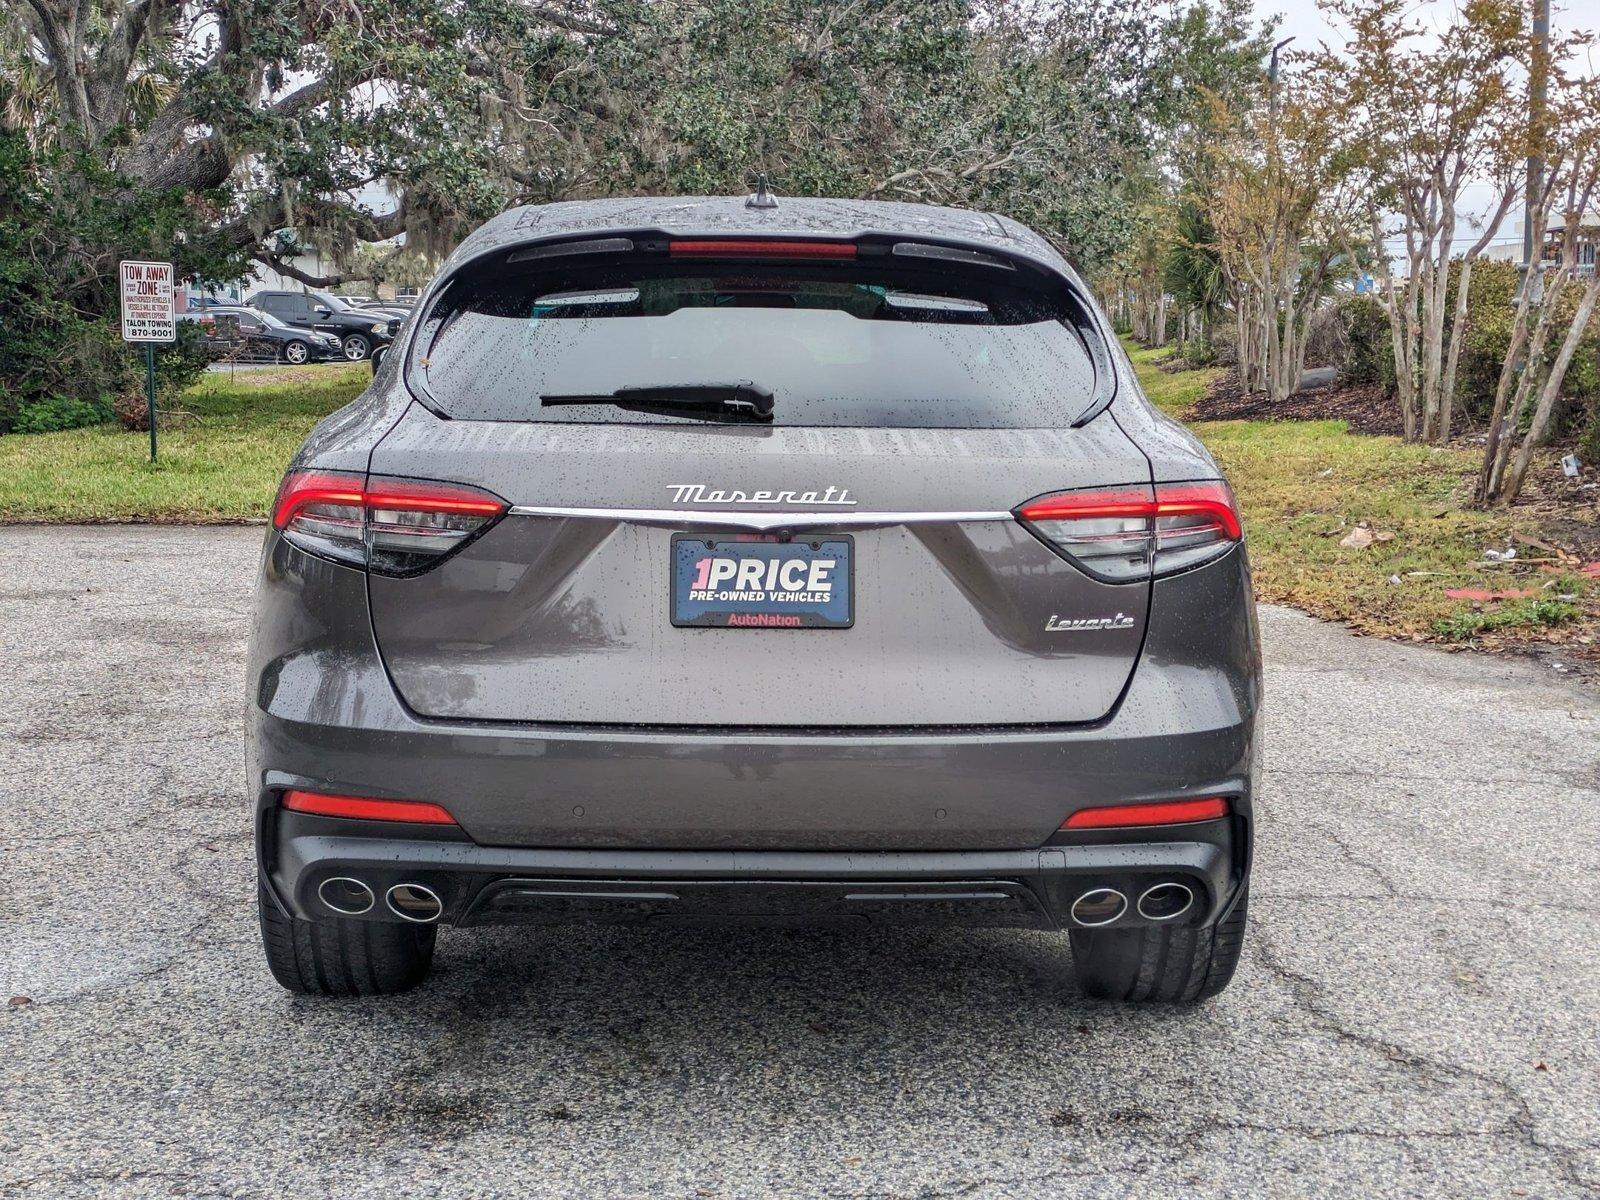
(1124, 534)
(390, 526)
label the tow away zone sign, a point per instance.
(147, 302)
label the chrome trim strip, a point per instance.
(672, 518)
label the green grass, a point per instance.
(221, 463)
(1174, 392)
(1466, 624)
(1304, 485)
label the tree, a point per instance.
(216, 132)
(1530, 380)
(1275, 189)
(1429, 116)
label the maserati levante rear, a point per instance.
(713, 560)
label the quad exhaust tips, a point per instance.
(414, 902)
(1105, 905)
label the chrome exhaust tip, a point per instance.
(346, 896)
(1166, 901)
(1099, 906)
(414, 902)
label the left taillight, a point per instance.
(1124, 534)
(390, 526)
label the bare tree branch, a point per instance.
(287, 269)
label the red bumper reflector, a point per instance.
(758, 248)
(1168, 812)
(363, 808)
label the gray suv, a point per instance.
(695, 561)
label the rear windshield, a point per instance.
(856, 344)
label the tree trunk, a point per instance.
(1525, 387)
(1543, 415)
(1484, 492)
(1430, 353)
(1458, 321)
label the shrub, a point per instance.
(1488, 338)
(1224, 344)
(1327, 340)
(51, 413)
(183, 362)
(1369, 350)
(60, 353)
(1589, 439)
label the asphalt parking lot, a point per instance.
(1414, 1016)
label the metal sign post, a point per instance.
(147, 317)
(150, 393)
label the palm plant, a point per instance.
(1193, 272)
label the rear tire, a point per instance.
(1161, 964)
(338, 957)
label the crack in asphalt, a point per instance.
(152, 816)
(1194, 1133)
(1347, 852)
(1522, 1124)
(450, 1078)
(211, 907)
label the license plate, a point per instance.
(744, 583)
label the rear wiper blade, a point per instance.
(742, 401)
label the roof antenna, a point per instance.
(761, 198)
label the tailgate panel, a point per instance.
(567, 618)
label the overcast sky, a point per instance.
(1302, 20)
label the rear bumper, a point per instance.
(325, 716)
(486, 885)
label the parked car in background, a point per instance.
(244, 333)
(358, 331)
(357, 301)
(387, 309)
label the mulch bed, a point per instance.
(1569, 517)
(1174, 364)
(1367, 408)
